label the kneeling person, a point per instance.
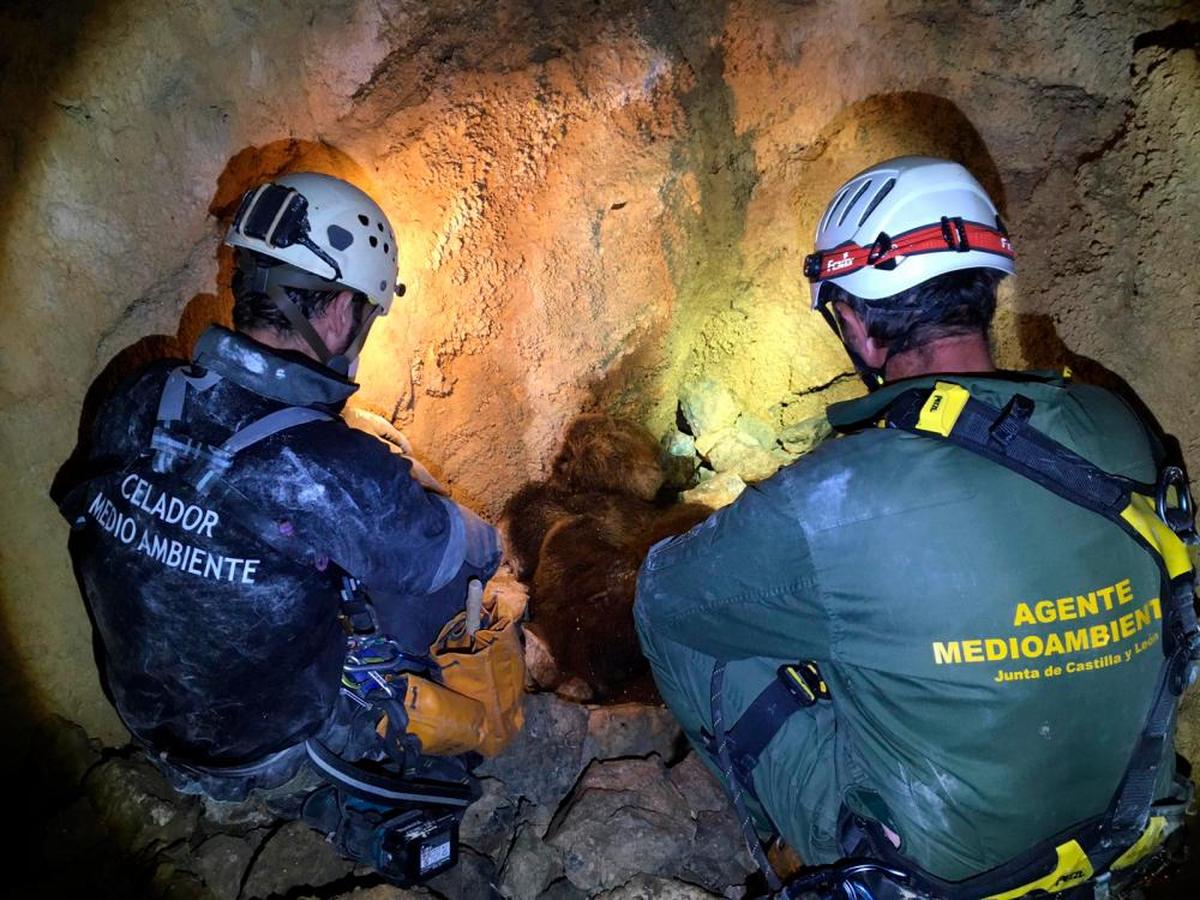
(232, 523)
(871, 645)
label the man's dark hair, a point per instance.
(252, 309)
(948, 305)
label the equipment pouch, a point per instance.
(489, 666)
(445, 721)
(477, 707)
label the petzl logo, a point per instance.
(1068, 877)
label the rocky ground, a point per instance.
(603, 802)
(588, 802)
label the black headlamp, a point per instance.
(278, 216)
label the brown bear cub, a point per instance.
(579, 538)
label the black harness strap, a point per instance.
(757, 727)
(1005, 437)
(206, 463)
(721, 742)
(795, 687)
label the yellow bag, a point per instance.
(446, 722)
(478, 706)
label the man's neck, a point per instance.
(958, 354)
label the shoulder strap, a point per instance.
(948, 412)
(171, 447)
(213, 465)
(208, 463)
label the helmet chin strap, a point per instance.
(346, 362)
(299, 323)
(872, 377)
(271, 281)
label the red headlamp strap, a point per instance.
(949, 235)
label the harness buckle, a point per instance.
(356, 612)
(1179, 517)
(954, 233)
(804, 682)
(1012, 418)
(1183, 651)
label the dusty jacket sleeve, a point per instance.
(356, 500)
(740, 584)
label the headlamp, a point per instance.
(278, 216)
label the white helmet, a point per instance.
(325, 226)
(903, 222)
(317, 233)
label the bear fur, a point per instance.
(579, 538)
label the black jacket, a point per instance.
(215, 646)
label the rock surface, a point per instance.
(544, 760)
(708, 406)
(648, 887)
(532, 865)
(599, 207)
(607, 813)
(717, 491)
(221, 861)
(294, 855)
(632, 798)
(804, 436)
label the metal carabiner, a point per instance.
(1180, 518)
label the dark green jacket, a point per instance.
(991, 648)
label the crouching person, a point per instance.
(948, 644)
(279, 602)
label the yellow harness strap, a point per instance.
(1073, 868)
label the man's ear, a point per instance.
(854, 332)
(336, 322)
(342, 309)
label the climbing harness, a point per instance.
(1158, 517)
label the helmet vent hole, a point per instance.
(379, 225)
(386, 248)
(363, 220)
(854, 200)
(374, 241)
(339, 237)
(834, 208)
(877, 199)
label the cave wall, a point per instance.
(596, 203)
